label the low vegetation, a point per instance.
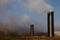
(17, 37)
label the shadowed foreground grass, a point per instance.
(30, 38)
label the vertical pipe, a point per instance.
(50, 23)
(32, 30)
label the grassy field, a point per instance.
(30, 38)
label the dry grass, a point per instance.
(30, 38)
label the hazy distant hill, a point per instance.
(57, 28)
(24, 30)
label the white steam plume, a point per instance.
(38, 6)
(33, 5)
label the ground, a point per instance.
(30, 38)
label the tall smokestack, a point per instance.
(50, 23)
(32, 30)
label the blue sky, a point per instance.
(20, 12)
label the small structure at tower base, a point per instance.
(32, 30)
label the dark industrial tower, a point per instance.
(50, 23)
(32, 30)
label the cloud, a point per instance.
(14, 24)
(25, 18)
(39, 6)
(10, 13)
(32, 5)
(3, 3)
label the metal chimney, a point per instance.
(50, 23)
(32, 30)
